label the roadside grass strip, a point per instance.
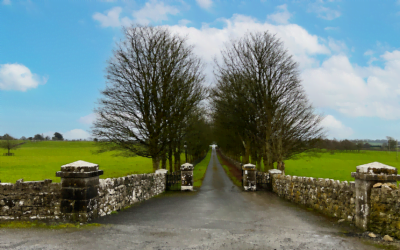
(39, 224)
(200, 169)
(232, 172)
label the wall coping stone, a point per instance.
(161, 171)
(186, 166)
(274, 171)
(376, 168)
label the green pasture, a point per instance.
(338, 166)
(35, 161)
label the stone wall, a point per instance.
(118, 193)
(42, 199)
(30, 200)
(331, 197)
(385, 210)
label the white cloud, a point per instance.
(324, 12)
(18, 77)
(184, 22)
(282, 16)
(356, 91)
(154, 11)
(6, 2)
(76, 134)
(331, 28)
(368, 53)
(336, 45)
(111, 19)
(205, 4)
(335, 128)
(89, 119)
(209, 41)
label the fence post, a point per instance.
(187, 177)
(365, 177)
(249, 177)
(79, 190)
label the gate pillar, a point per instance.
(272, 173)
(187, 177)
(79, 190)
(249, 177)
(365, 177)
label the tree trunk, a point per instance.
(164, 161)
(156, 163)
(170, 159)
(177, 160)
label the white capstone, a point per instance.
(187, 165)
(375, 165)
(249, 165)
(79, 163)
(161, 171)
(183, 188)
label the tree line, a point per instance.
(154, 100)
(38, 137)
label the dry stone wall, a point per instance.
(118, 193)
(42, 199)
(331, 197)
(30, 200)
(385, 210)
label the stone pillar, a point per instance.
(366, 176)
(249, 177)
(79, 190)
(164, 172)
(272, 173)
(187, 177)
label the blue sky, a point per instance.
(53, 55)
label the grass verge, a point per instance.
(233, 173)
(200, 169)
(39, 224)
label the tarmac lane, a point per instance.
(217, 216)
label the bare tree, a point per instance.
(258, 84)
(154, 80)
(8, 143)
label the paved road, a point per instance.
(218, 216)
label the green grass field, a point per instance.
(339, 165)
(200, 170)
(41, 160)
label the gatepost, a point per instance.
(79, 190)
(187, 177)
(365, 177)
(249, 177)
(272, 173)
